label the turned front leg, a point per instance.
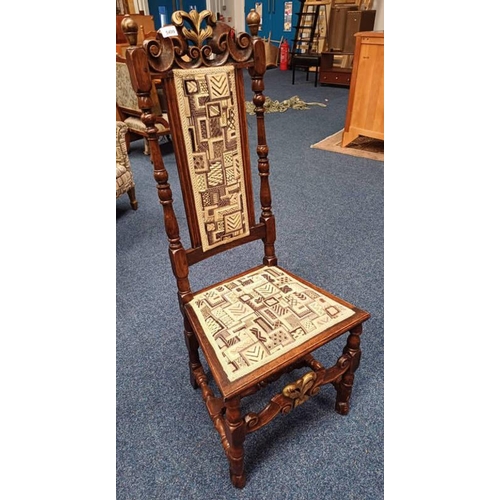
(235, 433)
(344, 386)
(193, 346)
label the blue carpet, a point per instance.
(329, 211)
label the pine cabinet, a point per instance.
(365, 107)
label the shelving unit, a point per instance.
(311, 37)
(345, 21)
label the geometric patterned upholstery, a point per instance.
(207, 102)
(253, 319)
(125, 94)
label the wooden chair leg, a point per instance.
(192, 346)
(235, 433)
(127, 141)
(131, 197)
(344, 386)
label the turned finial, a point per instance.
(130, 29)
(253, 22)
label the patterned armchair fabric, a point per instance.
(124, 177)
(129, 111)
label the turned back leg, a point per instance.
(192, 346)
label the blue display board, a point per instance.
(278, 17)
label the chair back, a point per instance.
(201, 69)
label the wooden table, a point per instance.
(365, 108)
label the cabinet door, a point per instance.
(273, 17)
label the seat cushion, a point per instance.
(255, 318)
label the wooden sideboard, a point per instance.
(365, 108)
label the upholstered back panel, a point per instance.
(209, 115)
(125, 93)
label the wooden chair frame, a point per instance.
(203, 43)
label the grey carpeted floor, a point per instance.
(329, 210)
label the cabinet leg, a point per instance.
(348, 136)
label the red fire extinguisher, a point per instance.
(284, 55)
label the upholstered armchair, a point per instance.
(128, 111)
(124, 177)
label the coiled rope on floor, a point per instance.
(271, 106)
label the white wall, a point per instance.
(230, 9)
(378, 5)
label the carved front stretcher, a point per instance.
(254, 327)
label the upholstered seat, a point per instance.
(252, 319)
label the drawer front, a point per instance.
(335, 78)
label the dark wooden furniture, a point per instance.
(254, 327)
(308, 39)
(306, 61)
(334, 73)
(345, 21)
(365, 108)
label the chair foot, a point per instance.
(344, 390)
(131, 196)
(238, 481)
(192, 378)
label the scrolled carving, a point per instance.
(200, 41)
(302, 389)
(251, 420)
(287, 408)
(343, 361)
(161, 53)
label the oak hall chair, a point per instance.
(254, 327)
(124, 176)
(128, 111)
